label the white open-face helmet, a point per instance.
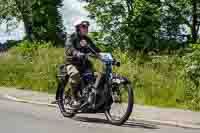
(80, 21)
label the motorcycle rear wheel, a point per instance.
(64, 99)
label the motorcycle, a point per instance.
(100, 93)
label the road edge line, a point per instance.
(168, 123)
(27, 101)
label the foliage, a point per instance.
(47, 22)
(146, 23)
(192, 75)
(8, 9)
(157, 80)
(195, 46)
(174, 13)
(42, 19)
(129, 28)
(28, 49)
(138, 24)
(31, 66)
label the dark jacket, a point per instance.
(72, 47)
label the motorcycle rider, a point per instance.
(75, 49)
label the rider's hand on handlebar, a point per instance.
(116, 63)
(80, 55)
(98, 55)
(93, 55)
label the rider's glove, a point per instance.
(80, 55)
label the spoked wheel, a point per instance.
(121, 108)
(64, 101)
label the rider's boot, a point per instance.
(54, 102)
(75, 98)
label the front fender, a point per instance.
(118, 79)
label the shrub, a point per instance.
(157, 80)
(192, 76)
(26, 48)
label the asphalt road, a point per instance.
(27, 118)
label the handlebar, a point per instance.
(115, 62)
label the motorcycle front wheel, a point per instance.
(64, 100)
(122, 106)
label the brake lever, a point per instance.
(116, 63)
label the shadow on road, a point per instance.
(130, 123)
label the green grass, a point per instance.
(156, 81)
(37, 72)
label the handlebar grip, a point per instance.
(116, 63)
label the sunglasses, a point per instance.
(83, 26)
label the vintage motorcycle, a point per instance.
(105, 92)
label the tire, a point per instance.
(61, 100)
(128, 112)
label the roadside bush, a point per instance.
(26, 48)
(166, 80)
(31, 66)
(192, 76)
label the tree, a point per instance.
(41, 18)
(47, 21)
(131, 23)
(195, 19)
(24, 9)
(19, 9)
(179, 14)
